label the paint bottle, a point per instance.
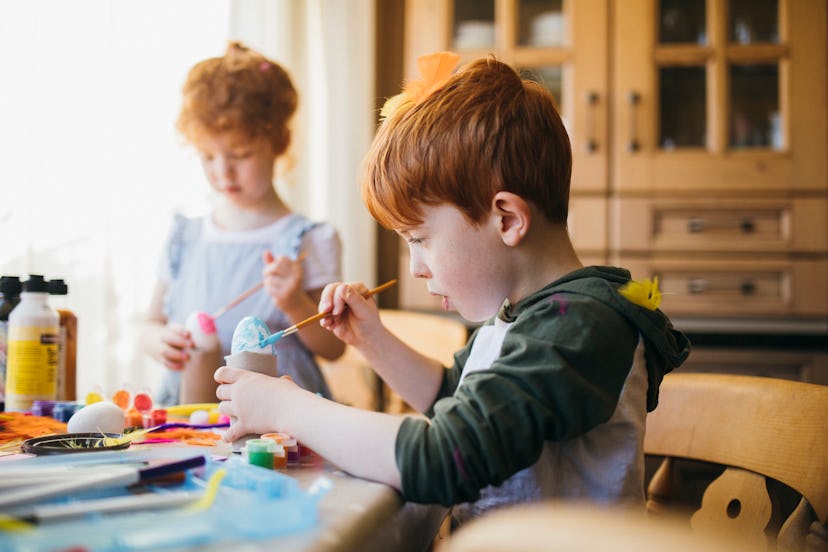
(10, 288)
(67, 343)
(33, 348)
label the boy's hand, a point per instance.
(354, 318)
(175, 342)
(254, 400)
(283, 280)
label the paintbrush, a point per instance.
(102, 478)
(237, 300)
(248, 293)
(273, 338)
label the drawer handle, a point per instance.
(592, 101)
(747, 288)
(697, 225)
(697, 286)
(634, 145)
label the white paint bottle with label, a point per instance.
(34, 332)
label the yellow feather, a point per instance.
(643, 293)
(210, 492)
(13, 525)
(392, 104)
(125, 438)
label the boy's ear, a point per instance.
(513, 217)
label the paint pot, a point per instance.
(260, 452)
(133, 418)
(292, 448)
(279, 454)
(64, 410)
(43, 408)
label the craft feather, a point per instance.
(435, 70)
(644, 293)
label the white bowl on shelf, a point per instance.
(548, 29)
(474, 34)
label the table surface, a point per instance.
(354, 515)
(357, 514)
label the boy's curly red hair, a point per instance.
(484, 131)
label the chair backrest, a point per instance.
(756, 429)
(562, 526)
(353, 382)
(431, 334)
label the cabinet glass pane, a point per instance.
(551, 77)
(540, 23)
(753, 21)
(682, 21)
(682, 106)
(754, 106)
(474, 26)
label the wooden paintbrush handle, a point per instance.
(319, 316)
(250, 292)
(238, 300)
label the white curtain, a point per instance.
(328, 46)
(92, 169)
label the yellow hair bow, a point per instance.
(643, 293)
(435, 70)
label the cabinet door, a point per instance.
(560, 43)
(719, 94)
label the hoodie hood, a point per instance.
(665, 347)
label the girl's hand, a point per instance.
(253, 400)
(175, 343)
(354, 318)
(283, 280)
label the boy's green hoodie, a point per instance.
(557, 396)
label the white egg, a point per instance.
(99, 417)
(249, 332)
(203, 331)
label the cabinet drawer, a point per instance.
(722, 225)
(808, 366)
(736, 287)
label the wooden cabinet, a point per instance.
(699, 131)
(741, 109)
(719, 174)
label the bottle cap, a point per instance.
(121, 398)
(142, 402)
(10, 285)
(57, 287)
(35, 283)
(260, 445)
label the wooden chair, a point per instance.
(758, 432)
(351, 378)
(570, 527)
